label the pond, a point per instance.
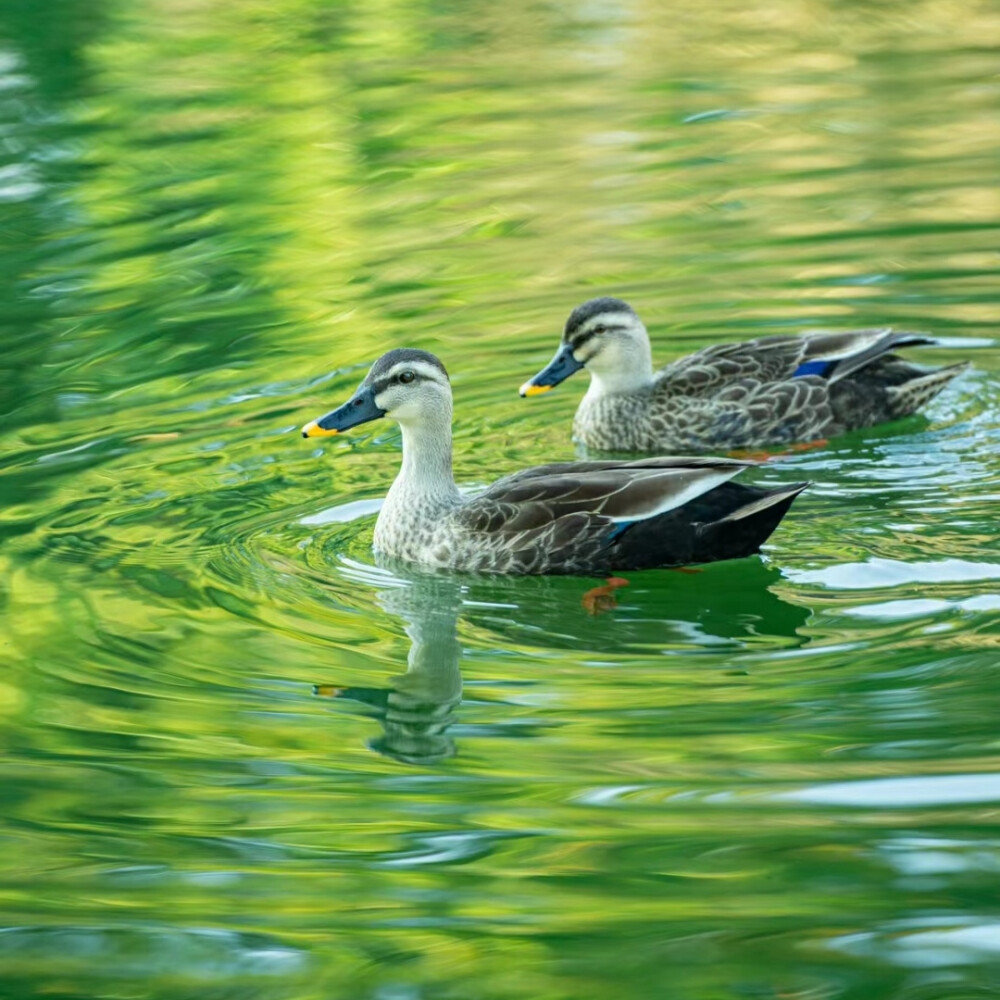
(240, 758)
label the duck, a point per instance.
(778, 390)
(585, 517)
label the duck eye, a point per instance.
(406, 377)
(599, 329)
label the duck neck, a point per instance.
(425, 475)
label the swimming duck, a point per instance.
(586, 518)
(775, 390)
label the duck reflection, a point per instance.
(417, 708)
(726, 606)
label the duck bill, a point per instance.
(559, 368)
(358, 410)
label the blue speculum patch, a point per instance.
(821, 368)
(619, 530)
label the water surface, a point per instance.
(240, 759)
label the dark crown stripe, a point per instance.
(581, 314)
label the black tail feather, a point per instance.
(729, 522)
(744, 531)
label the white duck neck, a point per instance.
(426, 470)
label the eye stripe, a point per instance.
(421, 369)
(591, 332)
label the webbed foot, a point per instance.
(766, 456)
(599, 599)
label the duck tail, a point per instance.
(890, 341)
(911, 395)
(744, 530)
(780, 498)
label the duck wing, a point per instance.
(600, 517)
(596, 493)
(830, 356)
(745, 412)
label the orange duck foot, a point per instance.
(599, 599)
(764, 456)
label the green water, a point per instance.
(776, 778)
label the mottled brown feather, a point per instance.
(744, 395)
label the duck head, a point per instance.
(406, 385)
(606, 337)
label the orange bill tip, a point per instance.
(530, 389)
(313, 430)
